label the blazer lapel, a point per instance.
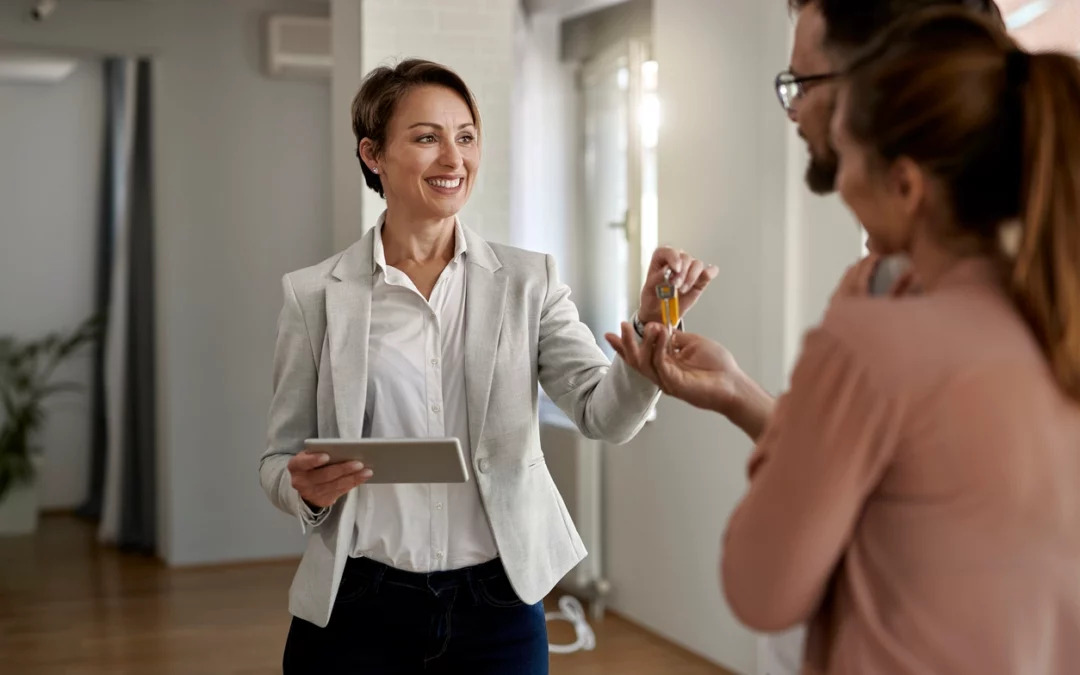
(348, 325)
(485, 296)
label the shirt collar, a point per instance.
(379, 257)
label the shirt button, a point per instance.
(439, 506)
(438, 555)
(436, 409)
(484, 466)
(434, 362)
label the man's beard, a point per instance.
(821, 174)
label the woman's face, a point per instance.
(886, 199)
(431, 155)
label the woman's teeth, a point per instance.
(449, 184)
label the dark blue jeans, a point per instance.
(389, 622)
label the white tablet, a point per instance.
(399, 460)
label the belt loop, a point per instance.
(377, 578)
(473, 583)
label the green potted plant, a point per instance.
(26, 383)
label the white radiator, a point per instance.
(576, 465)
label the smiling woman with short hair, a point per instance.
(423, 329)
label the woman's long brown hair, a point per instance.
(1000, 128)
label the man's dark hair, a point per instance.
(851, 24)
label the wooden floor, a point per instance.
(69, 607)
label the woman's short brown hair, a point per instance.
(382, 90)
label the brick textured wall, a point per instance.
(475, 38)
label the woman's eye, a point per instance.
(467, 139)
(427, 139)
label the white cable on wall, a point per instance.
(572, 611)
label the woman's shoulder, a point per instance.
(870, 323)
(515, 257)
(955, 319)
(925, 340)
(909, 329)
(315, 275)
(493, 255)
(309, 283)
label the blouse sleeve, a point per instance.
(824, 451)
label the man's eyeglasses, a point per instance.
(790, 87)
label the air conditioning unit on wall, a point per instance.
(33, 68)
(298, 46)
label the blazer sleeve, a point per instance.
(607, 401)
(824, 452)
(293, 418)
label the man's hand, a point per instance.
(321, 484)
(689, 275)
(858, 279)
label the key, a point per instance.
(669, 302)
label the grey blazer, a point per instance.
(521, 329)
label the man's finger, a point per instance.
(904, 284)
(864, 272)
(856, 281)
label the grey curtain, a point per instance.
(123, 483)
(107, 215)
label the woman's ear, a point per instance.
(366, 152)
(909, 185)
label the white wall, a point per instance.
(51, 138)
(732, 192)
(546, 146)
(348, 181)
(475, 38)
(723, 196)
(243, 196)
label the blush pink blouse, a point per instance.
(916, 496)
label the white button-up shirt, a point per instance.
(416, 389)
